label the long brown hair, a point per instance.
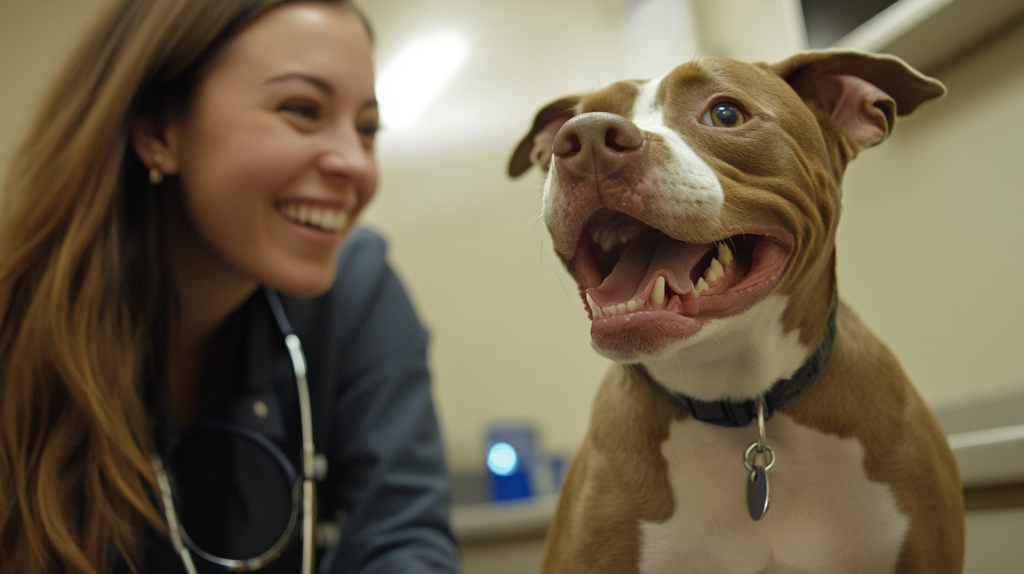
(84, 296)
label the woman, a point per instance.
(173, 221)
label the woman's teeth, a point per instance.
(315, 216)
(714, 272)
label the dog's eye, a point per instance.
(724, 115)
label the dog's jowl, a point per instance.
(754, 424)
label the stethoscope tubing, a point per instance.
(184, 545)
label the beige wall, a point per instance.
(929, 249)
(35, 38)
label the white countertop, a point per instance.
(488, 521)
(985, 427)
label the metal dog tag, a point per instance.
(757, 492)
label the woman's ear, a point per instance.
(155, 145)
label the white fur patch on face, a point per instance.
(738, 357)
(686, 177)
(684, 188)
(825, 514)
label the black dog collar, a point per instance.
(741, 414)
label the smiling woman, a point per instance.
(181, 215)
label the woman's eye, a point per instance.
(724, 115)
(369, 130)
(303, 109)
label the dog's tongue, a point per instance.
(642, 259)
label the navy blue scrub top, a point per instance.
(386, 485)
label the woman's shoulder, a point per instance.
(362, 266)
(365, 251)
(365, 242)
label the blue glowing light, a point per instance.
(502, 459)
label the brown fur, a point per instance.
(863, 392)
(619, 476)
(628, 424)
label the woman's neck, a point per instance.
(208, 291)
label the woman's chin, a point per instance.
(305, 281)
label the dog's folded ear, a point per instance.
(862, 92)
(535, 147)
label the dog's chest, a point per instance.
(825, 514)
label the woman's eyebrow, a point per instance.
(321, 83)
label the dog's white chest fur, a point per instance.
(825, 514)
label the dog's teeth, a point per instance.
(607, 241)
(701, 286)
(715, 271)
(609, 238)
(724, 253)
(658, 294)
(709, 275)
(617, 309)
(694, 292)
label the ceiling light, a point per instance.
(416, 76)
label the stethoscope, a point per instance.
(180, 539)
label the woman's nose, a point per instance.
(349, 155)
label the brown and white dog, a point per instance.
(698, 212)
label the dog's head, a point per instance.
(683, 201)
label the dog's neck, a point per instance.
(740, 413)
(735, 358)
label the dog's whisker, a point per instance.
(731, 206)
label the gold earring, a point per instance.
(155, 175)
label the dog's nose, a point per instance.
(596, 143)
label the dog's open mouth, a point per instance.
(628, 269)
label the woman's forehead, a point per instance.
(321, 39)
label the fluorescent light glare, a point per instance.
(416, 76)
